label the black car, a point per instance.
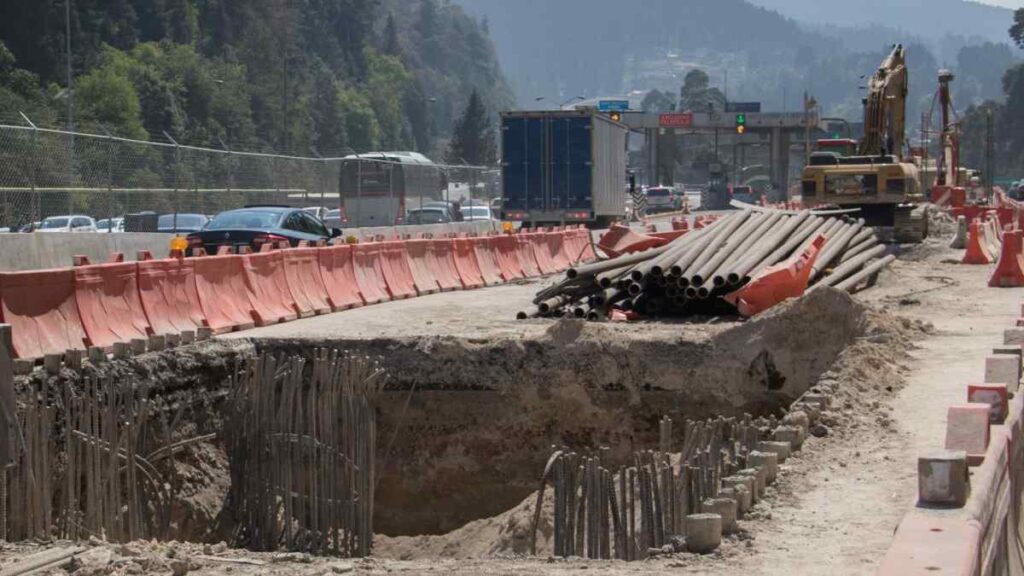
(258, 225)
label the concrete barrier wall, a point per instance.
(39, 251)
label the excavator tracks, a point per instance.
(911, 224)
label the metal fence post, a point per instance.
(34, 202)
(177, 167)
(8, 422)
(110, 179)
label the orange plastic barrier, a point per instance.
(366, 261)
(556, 250)
(270, 299)
(340, 277)
(506, 254)
(223, 292)
(395, 265)
(421, 266)
(302, 269)
(108, 302)
(977, 247)
(40, 307)
(619, 240)
(777, 283)
(167, 290)
(465, 263)
(1009, 272)
(587, 253)
(680, 224)
(542, 252)
(441, 254)
(486, 262)
(527, 258)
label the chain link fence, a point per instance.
(46, 172)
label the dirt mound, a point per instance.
(507, 534)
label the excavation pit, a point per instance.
(476, 399)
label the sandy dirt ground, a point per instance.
(835, 506)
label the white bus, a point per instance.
(378, 188)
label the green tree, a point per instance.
(658, 101)
(391, 46)
(697, 95)
(1017, 30)
(473, 139)
(106, 95)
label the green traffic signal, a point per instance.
(741, 119)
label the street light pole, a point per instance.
(71, 102)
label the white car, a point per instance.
(74, 223)
(110, 225)
(476, 213)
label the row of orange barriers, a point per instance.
(52, 311)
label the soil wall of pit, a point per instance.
(466, 424)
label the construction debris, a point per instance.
(744, 262)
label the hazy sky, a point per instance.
(1006, 3)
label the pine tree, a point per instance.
(391, 46)
(473, 140)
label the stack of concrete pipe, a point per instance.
(690, 275)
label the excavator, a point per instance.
(878, 180)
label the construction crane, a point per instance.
(884, 186)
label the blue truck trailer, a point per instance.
(563, 167)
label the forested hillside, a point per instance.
(313, 77)
(767, 57)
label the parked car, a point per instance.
(477, 213)
(454, 210)
(745, 194)
(332, 219)
(662, 199)
(256, 226)
(110, 225)
(183, 223)
(73, 223)
(30, 227)
(319, 211)
(429, 215)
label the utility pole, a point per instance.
(990, 153)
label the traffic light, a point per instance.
(741, 123)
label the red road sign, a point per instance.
(676, 120)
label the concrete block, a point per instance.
(157, 343)
(204, 333)
(703, 532)
(760, 481)
(139, 346)
(942, 478)
(188, 337)
(23, 366)
(97, 355)
(744, 488)
(73, 359)
(995, 395)
(1014, 349)
(122, 350)
(52, 363)
(1003, 369)
(798, 418)
(172, 340)
(767, 460)
(782, 450)
(795, 436)
(1013, 336)
(819, 401)
(724, 507)
(967, 430)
